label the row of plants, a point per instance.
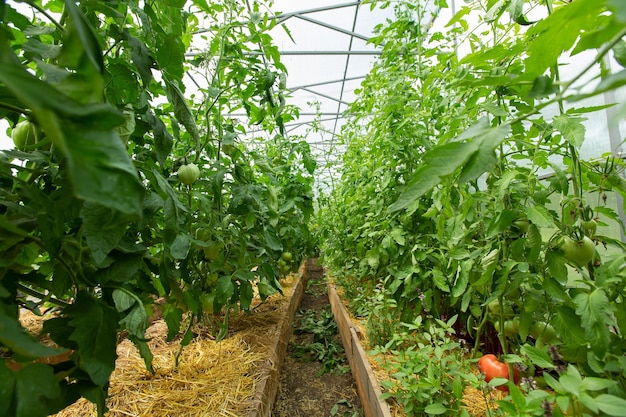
(465, 215)
(131, 187)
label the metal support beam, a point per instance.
(325, 96)
(333, 27)
(341, 80)
(284, 16)
(298, 53)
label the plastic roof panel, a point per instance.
(326, 61)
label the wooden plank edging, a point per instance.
(267, 389)
(367, 384)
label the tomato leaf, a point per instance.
(540, 216)
(571, 127)
(103, 229)
(18, 340)
(86, 35)
(35, 389)
(181, 109)
(7, 389)
(537, 356)
(95, 331)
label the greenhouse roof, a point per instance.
(327, 58)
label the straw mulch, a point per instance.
(212, 379)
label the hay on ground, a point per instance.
(212, 378)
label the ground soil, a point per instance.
(301, 392)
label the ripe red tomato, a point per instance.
(493, 368)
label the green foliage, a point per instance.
(94, 220)
(463, 178)
(324, 348)
(429, 369)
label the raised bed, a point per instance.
(367, 384)
(253, 351)
(267, 389)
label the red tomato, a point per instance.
(493, 368)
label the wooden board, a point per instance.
(367, 384)
(268, 387)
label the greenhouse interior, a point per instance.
(261, 208)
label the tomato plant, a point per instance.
(93, 222)
(471, 164)
(493, 368)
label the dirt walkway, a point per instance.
(315, 348)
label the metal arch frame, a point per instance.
(303, 15)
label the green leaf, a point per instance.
(141, 57)
(123, 300)
(552, 36)
(7, 389)
(437, 163)
(594, 312)
(95, 331)
(180, 246)
(542, 87)
(440, 280)
(136, 321)
(568, 326)
(272, 240)
(572, 129)
(619, 10)
(245, 294)
(35, 387)
(144, 351)
(611, 82)
(540, 216)
(14, 337)
(537, 356)
(224, 289)
(610, 404)
(397, 235)
(435, 409)
(591, 383)
(86, 35)
(103, 229)
(181, 109)
(516, 10)
(592, 307)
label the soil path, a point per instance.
(302, 393)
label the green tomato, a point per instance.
(511, 327)
(590, 225)
(188, 174)
(542, 331)
(25, 134)
(522, 224)
(287, 256)
(495, 308)
(579, 252)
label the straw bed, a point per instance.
(212, 379)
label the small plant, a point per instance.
(346, 406)
(383, 317)
(324, 348)
(430, 375)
